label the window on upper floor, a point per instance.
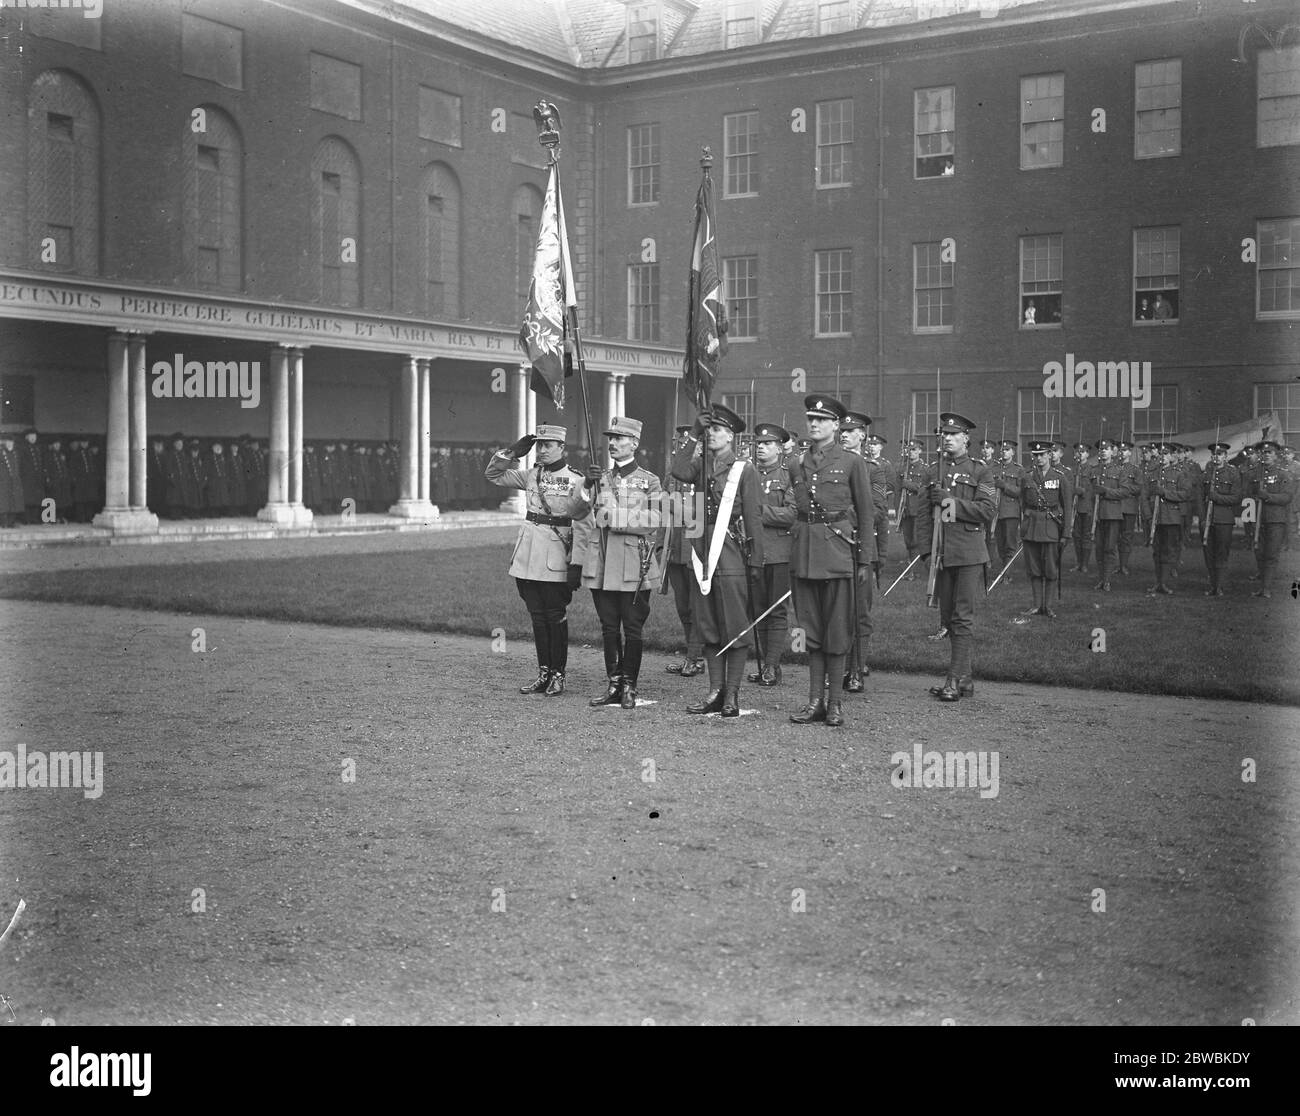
(1041, 281)
(1156, 270)
(834, 143)
(1277, 275)
(1042, 121)
(1158, 108)
(935, 131)
(740, 154)
(1278, 91)
(643, 164)
(63, 143)
(834, 293)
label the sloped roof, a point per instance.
(592, 34)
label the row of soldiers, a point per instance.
(58, 479)
(1163, 500)
(50, 478)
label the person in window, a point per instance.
(1144, 310)
(1031, 314)
(948, 167)
(1161, 309)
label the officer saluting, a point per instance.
(962, 548)
(1046, 494)
(542, 558)
(833, 547)
(723, 554)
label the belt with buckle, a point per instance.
(821, 517)
(549, 520)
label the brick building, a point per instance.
(347, 193)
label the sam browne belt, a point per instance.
(549, 520)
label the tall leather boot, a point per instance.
(733, 668)
(631, 670)
(712, 702)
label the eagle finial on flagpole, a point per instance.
(547, 117)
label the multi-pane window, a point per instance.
(211, 201)
(1278, 116)
(834, 292)
(1282, 400)
(1155, 274)
(740, 152)
(1042, 121)
(62, 175)
(643, 164)
(1158, 419)
(1040, 280)
(1278, 272)
(739, 23)
(835, 143)
(742, 402)
(834, 16)
(927, 406)
(643, 302)
(740, 290)
(935, 127)
(1158, 101)
(932, 288)
(440, 242)
(1040, 419)
(642, 32)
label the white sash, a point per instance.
(719, 537)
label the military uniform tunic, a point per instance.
(833, 503)
(1046, 496)
(553, 495)
(626, 518)
(962, 549)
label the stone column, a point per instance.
(139, 423)
(620, 393)
(279, 507)
(425, 427)
(611, 399)
(302, 516)
(410, 504)
(512, 500)
(118, 515)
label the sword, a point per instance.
(756, 622)
(22, 906)
(900, 577)
(1008, 566)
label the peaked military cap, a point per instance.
(1040, 447)
(770, 432)
(550, 433)
(628, 427)
(878, 440)
(1219, 447)
(718, 415)
(824, 406)
(855, 420)
(1009, 443)
(952, 423)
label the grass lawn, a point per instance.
(1236, 647)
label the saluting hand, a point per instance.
(521, 447)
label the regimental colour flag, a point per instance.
(706, 315)
(545, 328)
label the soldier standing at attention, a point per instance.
(1223, 492)
(1113, 483)
(853, 437)
(884, 487)
(542, 561)
(1128, 505)
(1046, 494)
(1007, 477)
(621, 567)
(832, 494)
(679, 572)
(724, 556)
(1275, 490)
(778, 514)
(1082, 524)
(1169, 490)
(962, 493)
(915, 520)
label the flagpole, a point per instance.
(547, 117)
